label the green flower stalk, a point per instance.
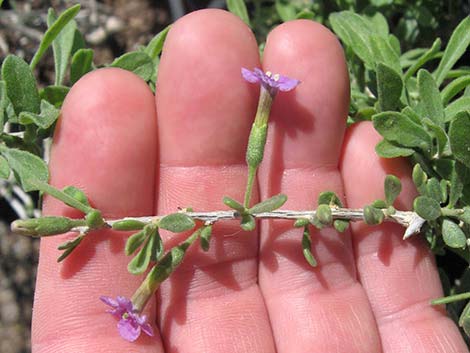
(269, 86)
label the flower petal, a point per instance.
(250, 76)
(109, 301)
(287, 84)
(128, 329)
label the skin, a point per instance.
(134, 154)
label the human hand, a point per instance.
(252, 292)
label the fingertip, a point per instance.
(364, 171)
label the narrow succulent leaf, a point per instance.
(427, 208)
(433, 189)
(372, 215)
(458, 43)
(128, 224)
(141, 261)
(233, 204)
(392, 187)
(27, 167)
(136, 240)
(269, 205)
(430, 97)
(69, 247)
(20, 85)
(62, 46)
(387, 149)
(53, 31)
(341, 225)
(459, 133)
(464, 320)
(459, 105)
(177, 223)
(453, 235)
(248, 222)
(238, 7)
(206, 234)
(307, 248)
(77, 194)
(323, 214)
(423, 59)
(454, 88)
(329, 198)
(82, 63)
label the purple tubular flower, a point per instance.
(272, 83)
(131, 323)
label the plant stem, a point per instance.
(451, 298)
(249, 185)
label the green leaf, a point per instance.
(419, 176)
(55, 94)
(77, 194)
(206, 234)
(323, 214)
(465, 216)
(453, 235)
(27, 167)
(155, 46)
(459, 133)
(457, 106)
(372, 215)
(392, 187)
(137, 239)
(4, 168)
(355, 32)
(458, 43)
(430, 97)
(69, 247)
(433, 190)
(177, 223)
(341, 225)
(305, 15)
(456, 188)
(454, 87)
(20, 85)
(380, 25)
(141, 261)
(128, 224)
(423, 59)
(464, 320)
(384, 53)
(62, 46)
(269, 205)
(48, 116)
(53, 31)
(387, 149)
(82, 63)
(248, 222)
(427, 208)
(285, 10)
(238, 7)
(329, 198)
(389, 86)
(379, 204)
(233, 204)
(306, 248)
(137, 62)
(3, 104)
(398, 128)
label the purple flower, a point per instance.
(131, 323)
(270, 82)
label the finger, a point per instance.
(400, 277)
(322, 309)
(105, 144)
(212, 303)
